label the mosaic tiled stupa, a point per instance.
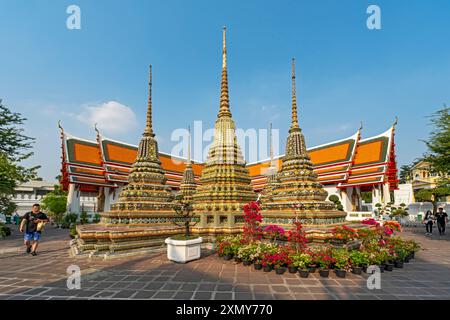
(294, 192)
(188, 186)
(224, 183)
(142, 216)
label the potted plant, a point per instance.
(185, 247)
(301, 261)
(280, 261)
(342, 263)
(246, 252)
(358, 260)
(267, 263)
(324, 261)
(257, 264)
(401, 254)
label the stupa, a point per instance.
(294, 194)
(142, 217)
(188, 186)
(224, 183)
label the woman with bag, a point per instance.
(428, 222)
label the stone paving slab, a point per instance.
(152, 276)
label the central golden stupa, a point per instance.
(224, 183)
(294, 194)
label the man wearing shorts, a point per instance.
(30, 226)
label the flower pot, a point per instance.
(246, 262)
(303, 273)
(388, 267)
(381, 266)
(267, 268)
(257, 266)
(312, 269)
(280, 270)
(398, 264)
(324, 273)
(183, 250)
(292, 269)
(406, 260)
(364, 269)
(356, 270)
(341, 273)
(413, 255)
(227, 257)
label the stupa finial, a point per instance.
(189, 161)
(148, 125)
(224, 98)
(294, 123)
(270, 144)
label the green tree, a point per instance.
(55, 203)
(434, 195)
(405, 173)
(14, 148)
(438, 143)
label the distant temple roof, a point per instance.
(345, 163)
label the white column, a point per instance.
(386, 193)
(376, 195)
(108, 198)
(346, 200)
(73, 199)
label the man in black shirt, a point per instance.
(31, 224)
(441, 219)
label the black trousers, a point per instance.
(441, 227)
(429, 226)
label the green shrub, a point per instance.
(73, 231)
(342, 258)
(359, 258)
(4, 230)
(301, 260)
(83, 217)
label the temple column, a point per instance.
(376, 195)
(107, 203)
(73, 199)
(346, 200)
(386, 193)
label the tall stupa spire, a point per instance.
(296, 184)
(146, 194)
(224, 110)
(224, 183)
(148, 126)
(294, 118)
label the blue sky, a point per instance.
(346, 72)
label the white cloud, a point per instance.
(111, 117)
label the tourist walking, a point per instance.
(442, 220)
(32, 223)
(428, 222)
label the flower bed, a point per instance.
(379, 247)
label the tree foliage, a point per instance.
(405, 173)
(14, 148)
(55, 203)
(438, 142)
(434, 195)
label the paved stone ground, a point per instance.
(153, 277)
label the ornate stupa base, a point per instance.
(322, 219)
(106, 240)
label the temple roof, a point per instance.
(347, 162)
